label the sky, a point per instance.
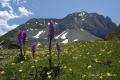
(16, 12)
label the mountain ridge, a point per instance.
(77, 26)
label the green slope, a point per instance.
(99, 60)
(115, 35)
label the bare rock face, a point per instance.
(74, 27)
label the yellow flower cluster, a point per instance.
(2, 72)
(20, 70)
(89, 66)
(49, 75)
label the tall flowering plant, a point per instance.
(33, 49)
(51, 33)
(22, 40)
(58, 50)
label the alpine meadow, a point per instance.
(59, 40)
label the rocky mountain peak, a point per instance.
(74, 27)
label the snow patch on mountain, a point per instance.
(65, 41)
(83, 19)
(48, 23)
(36, 22)
(60, 35)
(31, 29)
(39, 33)
(64, 35)
(41, 24)
(38, 44)
(81, 14)
(82, 29)
(56, 23)
(75, 40)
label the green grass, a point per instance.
(80, 61)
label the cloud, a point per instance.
(4, 1)
(24, 11)
(5, 15)
(4, 27)
(9, 14)
(19, 1)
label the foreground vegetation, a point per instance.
(99, 60)
(114, 35)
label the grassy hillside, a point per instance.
(99, 60)
(115, 35)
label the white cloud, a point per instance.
(24, 11)
(5, 27)
(5, 15)
(19, 1)
(9, 14)
(4, 1)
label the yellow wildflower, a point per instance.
(52, 53)
(109, 52)
(103, 50)
(49, 76)
(48, 73)
(55, 55)
(12, 63)
(36, 60)
(88, 53)
(65, 67)
(2, 72)
(101, 77)
(96, 60)
(47, 55)
(83, 75)
(119, 61)
(20, 70)
(32, 66)
(70, 69)
(89, 66)
(108, 74)
(75, 58)
(21, 62)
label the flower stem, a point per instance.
(35, 77)
(50, 59)
(58, 58)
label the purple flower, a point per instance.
(51, 33)
(58, 47)
(50, 45)
(51, 30)
(20, 37)
(33, 49)
(24, 37)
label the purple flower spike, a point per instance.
(33, 49)
(58, 47)
(51, 31)
(24, 37)
(50, 45)
(20, 37)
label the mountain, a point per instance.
(73, 27)
(114, 35)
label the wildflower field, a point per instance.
(86, 60)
